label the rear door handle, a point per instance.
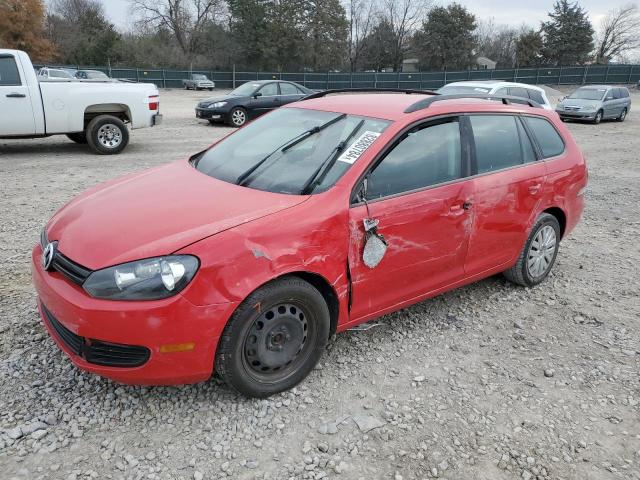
(16, 95)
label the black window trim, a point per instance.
(534, 140)
(465, 157)
(15, 61)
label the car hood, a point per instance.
(578, 102)
(155, 212)
(223, 98)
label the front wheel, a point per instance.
(238, 117)
(274, 338)
(107, 135)
(539, 253)
(599, 117)
(623, 115)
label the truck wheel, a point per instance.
(107, 135)
(78, 137)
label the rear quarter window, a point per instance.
(9, 75)
(536, 96)
(546, 135)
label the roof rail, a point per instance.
(505, 99)
(324, 93)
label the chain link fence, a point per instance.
(577, 75)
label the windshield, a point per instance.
(326, 154)
(96, 74)
(588, 94)
(457, 89)
(200, 77)
(245, 89)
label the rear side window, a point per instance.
(617, 93)
(425, 157)
(519, 92)
(288, 89)
(536, 96)
(498, 142)
(625, 93)
(9, 75)
(546, 135)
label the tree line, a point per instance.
(311, 35)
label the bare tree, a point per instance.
(619, 33)
(361, 21)
(404, 16)
(185, 19)
(497, 42)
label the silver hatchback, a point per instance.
(596, 103)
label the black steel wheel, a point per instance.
(274, 339)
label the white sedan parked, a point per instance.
(492, 87)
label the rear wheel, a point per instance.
(274, 338)
(78, 137)
(107, 135)
(539, 253)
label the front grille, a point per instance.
(573, 109)
(65, 266)
(98, 352)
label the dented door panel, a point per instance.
(426, 234)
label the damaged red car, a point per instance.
(244, 259)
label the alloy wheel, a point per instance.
(238, 117)
(541, 252)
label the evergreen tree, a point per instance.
(529, 49)
(446, 39)
(568, 35)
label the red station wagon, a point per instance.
(321, 215)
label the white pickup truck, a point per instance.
(87, 112)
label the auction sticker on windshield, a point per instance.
(358, 147)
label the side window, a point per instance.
(617, 93)
(300, 92)
(536, 96)
(519, 92)
(269, 90)
(609, 95)
(288, 89)
(546, 135)
(423, 157)
(625, 93)
(502, 91)
(497, 141)
(9, 75)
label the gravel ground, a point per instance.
(491, 381)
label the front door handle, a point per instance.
(466, 205)
(16, 95)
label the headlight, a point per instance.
(218, 104)
(150, 279)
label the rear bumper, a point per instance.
(153, 325)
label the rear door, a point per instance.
(418, 193)
(508, 182)
(609, 105)
(16, 112)
(289, 93)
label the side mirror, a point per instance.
(257, 94)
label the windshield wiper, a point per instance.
(324, 168)
(242, 179)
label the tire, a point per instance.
(623, 115)
(237, 117)
(210, 89)
(107, 135)
(256, 355)
(78, 137)
(526, 271)
(599, 117)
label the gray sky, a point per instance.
(512, 12)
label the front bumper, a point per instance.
(210, 114)
(576, 114)
(158, 326)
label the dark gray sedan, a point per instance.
(250, 100)
(596, 103)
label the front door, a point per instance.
(507, 187)
(418, 195)
(268, 99)
(16, 113)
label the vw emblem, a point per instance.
(47, 255)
